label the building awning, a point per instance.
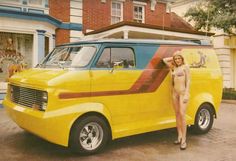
(127, 29)
(40, 17)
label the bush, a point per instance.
(229, 93)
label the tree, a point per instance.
(213, 13)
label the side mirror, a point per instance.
(117, 65)
(112, 69)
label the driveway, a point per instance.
(217, 145)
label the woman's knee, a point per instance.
(182, 113)
(177, 113)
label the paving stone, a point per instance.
(217, 145)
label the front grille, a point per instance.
(26, 96)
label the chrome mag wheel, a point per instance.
(91, 136)
(204, 118)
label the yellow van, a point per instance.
(84, 94)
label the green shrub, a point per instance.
(229, 93)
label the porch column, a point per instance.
(225, 59)
(126, 34)
(41, 45)
(54, 40)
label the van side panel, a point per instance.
(139, 99)
(206, 79)
(155, 107)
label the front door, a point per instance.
(113, 75)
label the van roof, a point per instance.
(141, 41)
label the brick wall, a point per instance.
(97, 14)
(156, 17)
(60, 9)
(128, 10)
(62, 36)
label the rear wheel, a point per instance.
(89, 135)
(203, 119)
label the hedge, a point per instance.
(229, 93)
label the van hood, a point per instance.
(37, 76)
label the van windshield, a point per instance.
(69, 57)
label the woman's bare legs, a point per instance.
(183, 107)
(176, 104)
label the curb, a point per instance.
(229, 101)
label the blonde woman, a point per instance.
(180, 94)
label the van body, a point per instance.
(85, 93)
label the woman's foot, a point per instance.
(183, 145)
(177, 142)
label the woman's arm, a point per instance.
(168, 61)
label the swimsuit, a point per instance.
(179, 82)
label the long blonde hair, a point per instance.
(175, 55)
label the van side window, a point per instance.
(116, 57)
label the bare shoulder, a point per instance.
(186, 66)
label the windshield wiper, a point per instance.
(39, 65)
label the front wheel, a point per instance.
(203, 119)
(89, 135)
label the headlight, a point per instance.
(44, 106)
(10, 90)
(45, 97)
(44, 101)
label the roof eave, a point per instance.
(149, 26)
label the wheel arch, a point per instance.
(210, 105)
(93, 113)
(200, 100)
(196, 127)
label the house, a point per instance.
(149, 19)
(30, 29)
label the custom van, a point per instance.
(84, 94)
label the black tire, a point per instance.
(203, 120)
(85, 132)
